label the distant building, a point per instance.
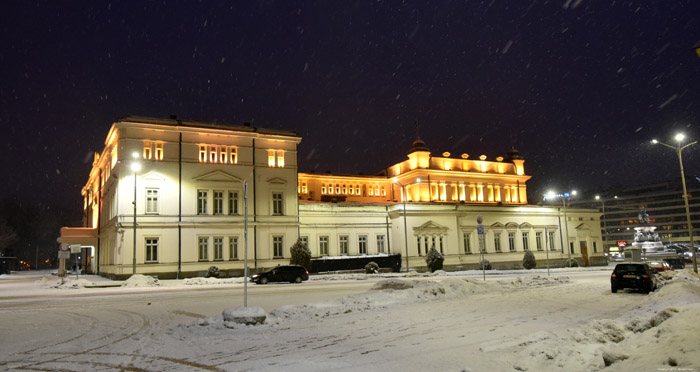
(190, 205)
(662, 201)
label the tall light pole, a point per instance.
(405, 226)
(605, 228)
(678, 149)
(135, 166)
(563, 197)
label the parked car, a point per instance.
(676, 263)
(659, 266)
(286, 273)
(637, 276)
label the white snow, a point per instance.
(441, 322)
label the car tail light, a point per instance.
(646, 276)
(613, 275)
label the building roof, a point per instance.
(174, 122)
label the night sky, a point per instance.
(579, 87)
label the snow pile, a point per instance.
(68, 283)
(536, 281)
(138, 280)
(212, 281)
(243, 315)
(660, 334)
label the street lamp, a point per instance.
(679, 138)
(405, 226)
(605, 228)
(563, 197)
(136, 167)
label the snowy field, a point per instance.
(515, 321)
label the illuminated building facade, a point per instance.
(190, 202)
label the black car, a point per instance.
(634, 276)
(676, 263)
(287, 273)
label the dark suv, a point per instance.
(287, 273)
(676, 263)
(634, 276)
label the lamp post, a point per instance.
(678, 149)
(135, 166)
(605, 228)
(405, 226)
(563, 197)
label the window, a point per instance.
(595, 247)
(441, 250)
(343, 242)
(202, 153)
(551, 241)
(511, 241)
(497, 242)
(380, 244)
(358, 191)
(159, 150)
(467, 243)
(277, 209)
(431, 246)
(323, 245)
(213, 154)
(275, 158)
(201, 201)
(277, 246)
(304, 240)
(526, 243)
(362, 244)
(233, 155)
(418, 242)
(571, 247)
(151, 201)
(538, 240)
(304, 188)
(280, 158)
(147, 150)
(323, 188)
(233, 248)
(151, 250)
(218, 248)
(233, 202)
(218, 202)
(204, 249)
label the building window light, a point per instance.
(233, 156)
(358, 191)
(202, 153)
(383, 191)
(159, 151)
(323, 188)
(271, 158)
(370, 192)
(147, 150)
(376, 190)
(280, 158)
(345, 189)
(224, 155)
(213, 150)
(304, 188)
(351, 189)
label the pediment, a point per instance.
(525, 226)
(218, 176)
(512, 226)
(497, 225)
(153, 176)
(583, 226)
(277, 181)
(430, 226)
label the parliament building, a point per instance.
(169, 197)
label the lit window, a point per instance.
(337, 189)
(304, 188)
(323, 245)
(213, 151)
(323, 188)
(280, 158)
(159, 151)
(224, 154)
(330, 189)
(351, 189)
(218, 202)
(376, 190)
(277, 204)
(147, 150)
(370, 192)
(151, 201)
(151, 250)
(203, 248)
(383, 191)
(358, 192)
(345, 189)
(233, 155)
(218, 248)
(271, 158)
(202, 153)
(278, 246)
(233, 247)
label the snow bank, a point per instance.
(71, 284)
(212, 281)
(138, 280)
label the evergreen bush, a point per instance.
(571, 263)
(434, 260)
(301, 255)
(485, 265)
(213, 272)
(529, 261)
(371, 268)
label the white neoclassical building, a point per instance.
(167, 197)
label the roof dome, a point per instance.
(418, 145)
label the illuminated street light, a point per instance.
(135, 167)
(405, 226)
(678, 149)
(551, 195)
(605, 228)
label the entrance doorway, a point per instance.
(584, 253)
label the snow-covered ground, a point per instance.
(524, 321)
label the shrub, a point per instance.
(371, 268)
(529, 261)
(301, 255)
(484, 265)
(434, 260)
(213, 272)
(571, 263)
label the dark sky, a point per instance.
(578, 86)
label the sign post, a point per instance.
(63, 255)
(482, 244)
